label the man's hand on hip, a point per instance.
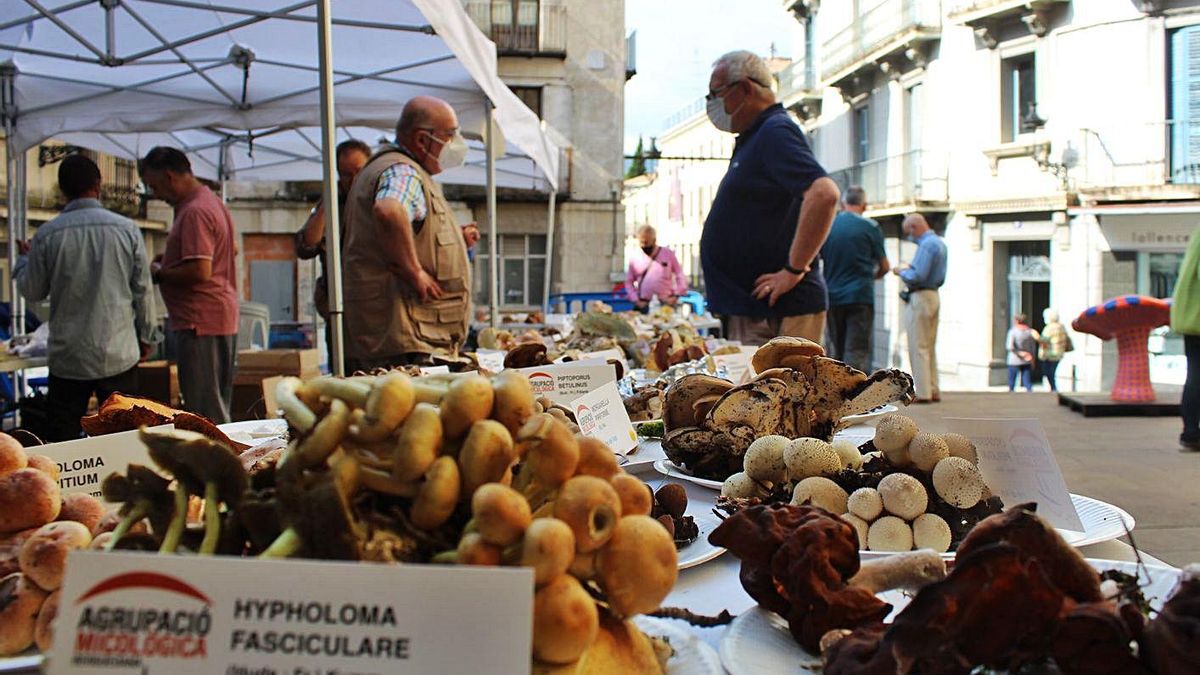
(426, 286)
(774, 285)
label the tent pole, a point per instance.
(333, 234)
(15, 185)
(549, 253)
(493, 258)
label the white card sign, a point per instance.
(1018, 465)
(435, 370)
(601, 415)
(144, 613)
(563, 383)
(491, 360)
(85, 463)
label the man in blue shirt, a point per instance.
(923, 277)
(770, 215)
(852, 259)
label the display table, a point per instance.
(13, 364)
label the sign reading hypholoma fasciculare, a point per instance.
(145, 613)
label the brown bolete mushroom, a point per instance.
(1129, 319)
(565, 620)
(20, 602)
(44, 556)
(12, 455)
(43, 629)
(638, 566)
(82, 508)
(468, 400)
(526, 355)
(28, 498)
(590, 507)
(501, 514)
(784, 352)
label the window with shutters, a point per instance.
(1018, 97)
(522, 267)
(531, 97)
(1184, 124)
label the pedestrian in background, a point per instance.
(922, 279)
(1021, 345)
(852, 259)
(1185, 319)
(198, 279)
(1055, 342)
(770, 216)
(655, 272)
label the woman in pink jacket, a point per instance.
(654, 272)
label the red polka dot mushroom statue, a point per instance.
(1129, 319)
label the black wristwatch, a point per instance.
(793, 270)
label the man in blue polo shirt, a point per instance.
(922, 279)
(852, 259)
(770, 216)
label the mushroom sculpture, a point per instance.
(1129, 319)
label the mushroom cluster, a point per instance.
(913, 490)
(39, 526)
(798, 392)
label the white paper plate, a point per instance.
(253, 432)
(668, 468)
(1101, 522)
(700, 551)
(758, 641)
(26, 663)
(692, 657)
(870, 417)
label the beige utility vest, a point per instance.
(383, 315)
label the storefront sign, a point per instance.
(1149, 231)
(601, 415)
(1018, 465)
(144, 613)
(563, 383)
(85, 463)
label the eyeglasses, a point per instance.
(439, 132)
(717, 93)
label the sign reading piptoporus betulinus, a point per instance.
(143, 613)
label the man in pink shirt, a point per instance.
(198, 279)
(654, 271)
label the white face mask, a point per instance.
(453, 152)
(717, 115)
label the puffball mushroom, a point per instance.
(501, 514)
(548, 547)
(513, 402)
(565, 621)
(849, 454)
(889, 533)
(637, 499)
(822, 492)
(591, 508)
(764, 460)
(486, 455)
(43, 628)
(903, 496)
(43, 557)
(961, 446)
(418, 443)
(637, 568)
(958, 482)
(926, 450)
(20, 602)
(807, 457)
(468, 400)
(931, 531)
(860, 528)
(892, 435)
(865, 503)
(12, 455)
(28, 498)
(438, 494)
(740, 485)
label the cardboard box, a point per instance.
(254, 401)
(159, 380)
(270, 362)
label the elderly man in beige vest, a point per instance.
(404, 260)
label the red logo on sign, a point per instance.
(151, 580)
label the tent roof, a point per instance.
(124, 75)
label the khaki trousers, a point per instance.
(921, 325)
(757, 332)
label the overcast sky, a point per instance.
(677, 41)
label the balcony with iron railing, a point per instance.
(798, 88)
(1161, 157)
(522, 27)
(973, 11)
(897, 183)
(893, 27)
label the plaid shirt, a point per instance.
(400, 182)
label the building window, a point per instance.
(531, 97)
(1018, 97)
(1185, 105)
(1157, 274)
(515, 24)
(862, 134)
(522, 270)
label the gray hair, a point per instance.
(1050, 315)
(647, 229)
(854, 196)
(744, 65)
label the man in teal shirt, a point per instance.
(852, 258)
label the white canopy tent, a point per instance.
(124, 75)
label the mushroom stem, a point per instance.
(445, 558)
(381, 481)
(352, 391)
(285, 545)
(178, 521)
(294, 410)
(425, 391)
(139, 511)
(212, 519)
